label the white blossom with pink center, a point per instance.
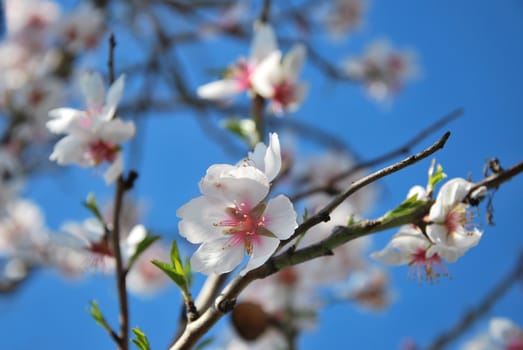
(22, 231)
(81, 29)
(345, 16)
(383, 69)
(89, 237)
(450, 220)
(238, 77)
(94, 135)
(503, 334)
(232, 219)
(29, 21)
(411, 247)
(276, 79)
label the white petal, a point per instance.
(437, 233)
(198, 217)
(502, 329)
(272, 157)
(263, 248)
(263, 43)
(114, 95)
(417, 190)
(218, 256)
(293, 62)
(71, 150)
(64, 120)
(245, 184)
(219, 90)
(390, 256)
(114, 170)
(93, 89)
(266, 74)
(453, 191)
(211, 185)
(116, 131)
(281, 217)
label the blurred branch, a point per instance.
(483, 307)
(402, 150)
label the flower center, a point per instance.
(515, 344)
(241, 72)
(423, 267)
(100, 150)
(456, 218)
(244, 224)
(283, 93)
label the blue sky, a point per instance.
(471, 56)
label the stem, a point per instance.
(120, 272)
(323, 214)
(258, 103)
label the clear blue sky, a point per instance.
(471, 55)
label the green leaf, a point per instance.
(188, 271)
(435, 177)
(244, 128)
(305, 215)
(178, 278)
(141, 247)
(91, 204)
(97, 315)
(176, 260)
(141, 340)
(405, 207)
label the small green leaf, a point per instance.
(406, 206)
(178, 278)
(176, 261)
(141, 340)
(244, 128)
(91, 204)
(141, 247)
(435, 177)
(305, 215)
(188, 271)
(97, 315)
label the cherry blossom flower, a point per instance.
(91, 238)
(82, 28)
(22, 231)
(345, 16)
(231, 218)
(238, 77)
(450, 219)
(93, 136)
(382, 69)
(411, 247)
(276, 79)
(503, 334)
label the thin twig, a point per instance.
(120, 273)
(323, 214)
(484, 306)
(110, 62)
(402, 150)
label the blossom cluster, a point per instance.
(266, 73)
(447, 234)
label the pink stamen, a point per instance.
(244, 225)
(283, 94)
(424, 267)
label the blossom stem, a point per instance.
(122, 185)
(257, 106)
